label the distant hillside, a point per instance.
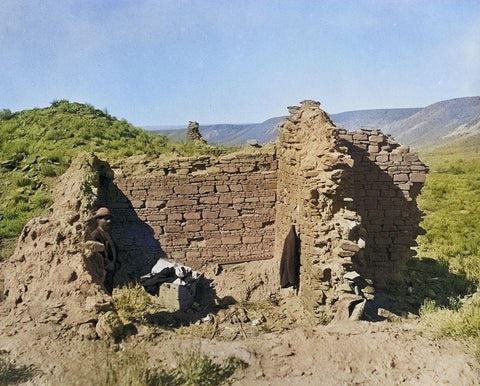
(438, 122)
(418, 127)
(371, 119)
(231, 134)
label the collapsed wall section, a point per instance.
(54, 277)
(196, 210)
(351, 197)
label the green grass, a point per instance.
(38, 145)
(451, 203)
(450, 200)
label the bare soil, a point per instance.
(342, 353)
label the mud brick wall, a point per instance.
(387, 179)
(196, 210)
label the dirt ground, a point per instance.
(343, 353)
(360, 353)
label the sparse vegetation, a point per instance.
(132, 302)
(12, 374)
(131, 367)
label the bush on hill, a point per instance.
(37, 145)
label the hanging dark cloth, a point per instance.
(290, 262)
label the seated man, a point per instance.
(110, 253)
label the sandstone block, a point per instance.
(205, 189)
(228, 212)
(192, 227)
(400, 178)
(172, 228)
(252, 239)
(418, 177)
(209, 200)
(225, 199)
(181, 202)
(186, 189)
(381, 158)
(231, 240)
(210, 214)
(175, 217)
(192, 215)
(210, 227)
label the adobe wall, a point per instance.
(196, 210)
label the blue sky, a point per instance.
(159, 62)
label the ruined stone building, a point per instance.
(349, 195)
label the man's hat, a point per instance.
(102, 212)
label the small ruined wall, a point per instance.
(54, 276)
(196, 210)
(387, 180)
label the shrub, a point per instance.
(463, 323)
(197, 368)
(47, 170)
(5, 114)
(132, 302)
(42, 199)
(11, 374)
(22, 180)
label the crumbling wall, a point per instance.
(196, 210)
(314, 194)
(54, 276)
(351, 197)
(387, 180)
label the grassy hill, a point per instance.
(37, 145)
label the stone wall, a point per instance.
(314, 194)
(196, 210)
(387, 180)
(350, 195)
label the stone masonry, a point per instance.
(196, 210)
(387, 180)
(350, 195)
(314, 194)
